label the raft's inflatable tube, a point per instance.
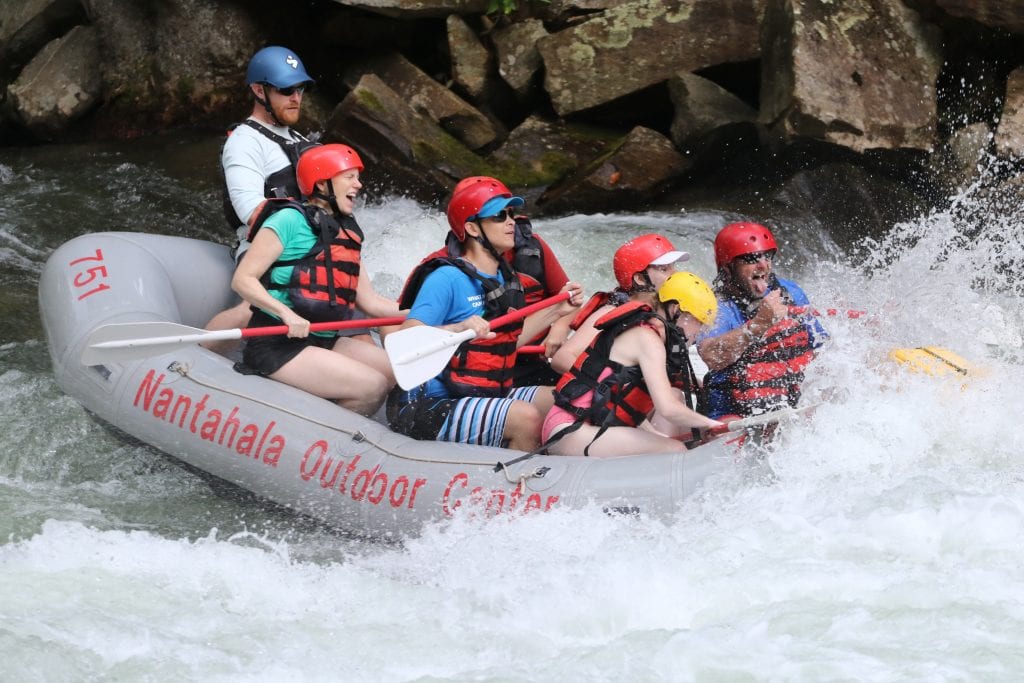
(283, 444)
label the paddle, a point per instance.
(422, 352)
(762, 419)
(121, 342)
(932, 360)
(830, 312)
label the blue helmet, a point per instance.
(277, 66)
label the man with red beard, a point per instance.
(756, 350)
(260, 155)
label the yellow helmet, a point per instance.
(693, 295)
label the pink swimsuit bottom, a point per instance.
(558, 417)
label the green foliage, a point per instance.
(507, 7)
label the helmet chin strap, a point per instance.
(329, 197)
(266, 105)
(486, 244)
(646, 286)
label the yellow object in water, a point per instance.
(933, 360)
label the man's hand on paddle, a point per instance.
(574, 301)
(477, 324)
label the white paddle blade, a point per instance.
(120, 342)
(420, 353)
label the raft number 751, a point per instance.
(87, 275)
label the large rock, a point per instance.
(959, 160)
(518, 57)
(1004, 14)
(569, 6)
(543, 152)
(26, 26)
(471, 62)
(860, 73)
(428, 97)
(640, 43)
(60, 85)
(404, 149)
(168, 62)
(403, 9)
(631, 173)
(849, 200)
(1009, 139)
(701, 106)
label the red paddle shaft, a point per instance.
(323, 327)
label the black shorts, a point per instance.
(267, 355)
(422, 419)
(354, 315)
(533, 370)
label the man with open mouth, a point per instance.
(756, 350)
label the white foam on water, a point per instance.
(878, 540)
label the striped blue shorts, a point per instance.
(481, 421)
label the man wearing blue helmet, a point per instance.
(260, 155)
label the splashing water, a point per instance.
(878, 540)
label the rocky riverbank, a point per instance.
(860, 113)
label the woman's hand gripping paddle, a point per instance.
(120, 342)
(420, 353)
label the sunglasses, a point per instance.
(291, 90)
(502, 216)
(756, 257)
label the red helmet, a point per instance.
(469, 195)
(323, 162)
(640, 253)
(737, 239)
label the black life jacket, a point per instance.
(769, 373)
(621, 398)
(280, 184)
(528, 261)
(323, 282)
(479, 367)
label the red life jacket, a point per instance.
(324, 281)
(479, 367)
(596, 301)
(769, 373)
(621, 398)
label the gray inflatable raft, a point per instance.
(287, 446)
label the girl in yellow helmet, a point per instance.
(637, 364)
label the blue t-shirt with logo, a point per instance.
(447, 296)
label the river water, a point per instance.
(880, 541)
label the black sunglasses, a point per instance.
(291, 90)
(757, 256)
(502, 216)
